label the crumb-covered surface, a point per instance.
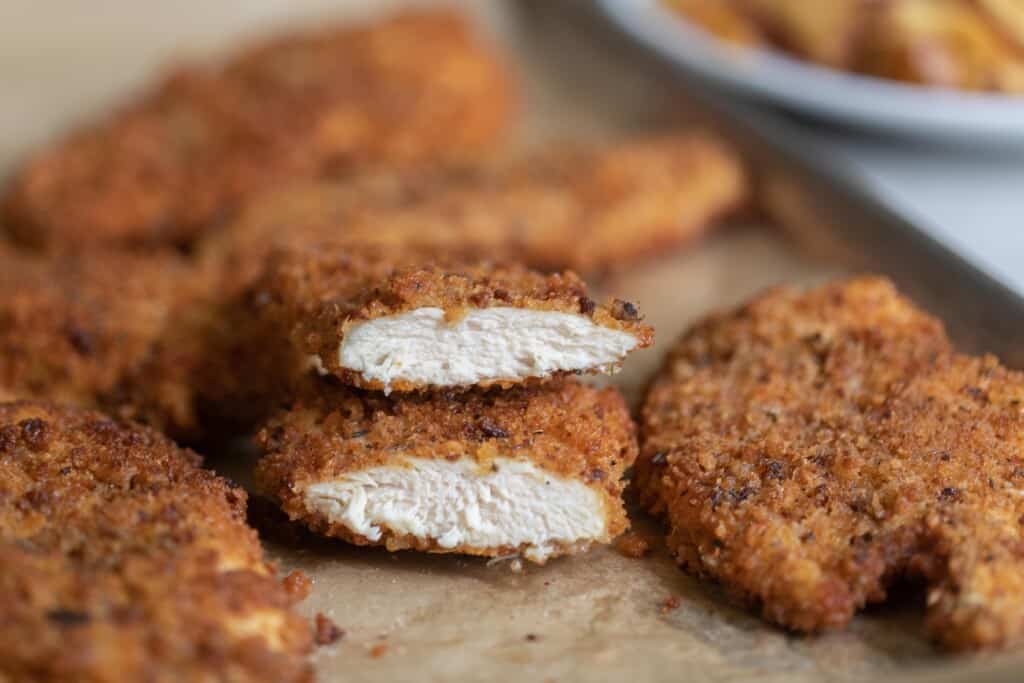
(321, 291)
(121, 559)
(117, 331)
(809, 449)
(568, 429)
(585, 208)
(418, 87)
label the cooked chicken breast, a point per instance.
(530, 472)
(112, 330)
(418, 88)
(121, 559)
(585, 208)
(413, 320)
(810, 449)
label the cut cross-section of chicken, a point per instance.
(408, 321)
(534, 472)
(122, 559)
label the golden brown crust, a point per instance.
(416, 88)
(963, 44)
(319, 292)
(569, 429)
(121, 559)
(112, 330)
(586, 209)
(811, 448)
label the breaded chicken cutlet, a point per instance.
(529, 471)
(407, 321)
(416, 88)
(114, 330)
(121, 559)
(810, 449)
(587, 209)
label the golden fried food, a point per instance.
(121, 559)
(416, 88)
(944, 43)
(585, 209)
(963, 44)
(116, 331)
(722, 20)
(824, 32)
(810, 449)
(407, 321)
(534, 472)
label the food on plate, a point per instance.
(416, 88)
(962, 44)
(383, 319)
(585, 208)
(809, 449)
(951, 44)
(114, 330)
(531, 472)
(122, 559)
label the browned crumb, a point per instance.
(112, 330)
(415, 88)
(297, 585)
(809, 449)
(565, 428)
(319, 293)
(121, 559)
(669, 604)
(327, 632)
(378, 650)
(632, 545)
(588, 209)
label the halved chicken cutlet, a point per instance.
(416, 88)
(811, 448)
(531, 471)
(414, 320)
(121, 559)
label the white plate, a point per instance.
(821, 92)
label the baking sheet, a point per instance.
(599, 616)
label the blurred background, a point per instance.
(61, 62)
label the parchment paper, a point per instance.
(599, 616)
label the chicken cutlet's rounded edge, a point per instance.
(121, 557)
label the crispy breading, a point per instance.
(569, 430)
(114, 330)
(587, 209)
(121, 559)
(416, 88)
(810, 449)
(323, 292)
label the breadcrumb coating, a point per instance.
(585, 209)
(810, 449)
(416, 88)
(321, 292)
(113, 330)
(121, 559)
(568, 429)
